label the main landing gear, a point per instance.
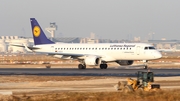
(83, 66)
(145, 67)
(103, 66)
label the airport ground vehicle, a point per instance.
(144, 82)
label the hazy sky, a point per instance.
(112, 19)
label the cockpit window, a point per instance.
(151, 48)
(146, 48)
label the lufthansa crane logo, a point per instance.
(36, 31)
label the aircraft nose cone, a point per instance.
(158, 55)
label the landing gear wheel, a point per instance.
(81, 66)
(48, 66)
(84, 66)
(145, 67)
(103, 66)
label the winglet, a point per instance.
(38, 34)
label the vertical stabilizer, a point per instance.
(38, 34)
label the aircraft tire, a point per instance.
(48, 66)
(103, 66)
(84, 66)
(81, 66)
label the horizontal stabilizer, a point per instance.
(26, 47)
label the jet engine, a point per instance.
(92, 60)
(125, 62)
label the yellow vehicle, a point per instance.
(144, 82)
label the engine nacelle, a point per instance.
(92, 60)
(125, 62)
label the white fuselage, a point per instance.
(108, 52)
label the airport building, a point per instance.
(91, 39)
(7, 41)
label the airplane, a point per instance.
(98, 54)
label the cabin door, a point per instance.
(53, 49)
(138, 50)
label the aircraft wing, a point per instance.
(72, 56)
(67, 54)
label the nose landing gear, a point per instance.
(145, 64)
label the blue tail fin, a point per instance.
(38, 34)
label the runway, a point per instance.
(85, 72)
